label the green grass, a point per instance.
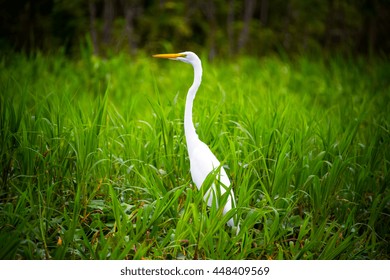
(94, 162)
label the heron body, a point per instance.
(202, 160)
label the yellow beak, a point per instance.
(169, 55)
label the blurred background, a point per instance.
(219, 27)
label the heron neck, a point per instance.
(189, 128)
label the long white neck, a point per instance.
(189, 128)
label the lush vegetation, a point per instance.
(94, 162)
(256, 27)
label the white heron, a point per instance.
(202, 160)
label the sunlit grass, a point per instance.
(94, 162)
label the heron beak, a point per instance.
(169, 55)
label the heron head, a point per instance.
(187, 57)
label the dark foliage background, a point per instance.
(254, 27)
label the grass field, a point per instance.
(94, 162)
